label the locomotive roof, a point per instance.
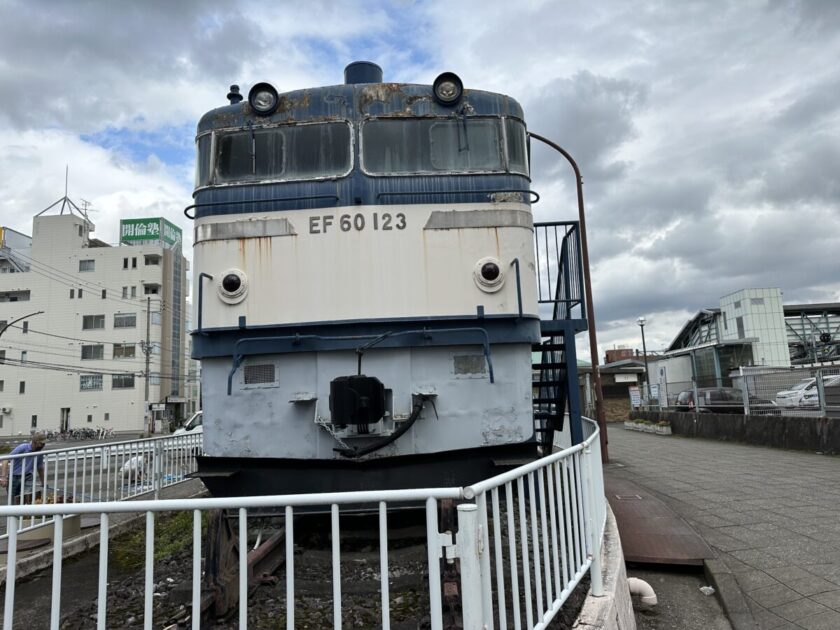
(359, 101)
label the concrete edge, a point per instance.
(24, 567)
(614, 610)
(729, 594)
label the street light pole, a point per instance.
(600, 412)
(641, 321)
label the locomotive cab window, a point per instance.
(279, 153)
(434, 145)
(517, 146)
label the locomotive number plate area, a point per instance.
(356, 222)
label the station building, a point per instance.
(750, 328)
(101, 342)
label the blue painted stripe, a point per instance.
(221, 342)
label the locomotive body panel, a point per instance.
(270, 420)
(305, 272)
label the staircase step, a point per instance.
(548, 347)
(549, 366)
(544, 415)
(544, 401)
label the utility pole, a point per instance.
(147, 350)
(600, 411)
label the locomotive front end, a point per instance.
(366, 286)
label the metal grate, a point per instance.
(261, 374)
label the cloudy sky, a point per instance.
(707, 132)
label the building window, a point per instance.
(151, 259)
(90, 418)
(2, 356)
(133, 292)
(15, 296)
(23, 354)
(80, 232)
(125, 320)
(80, 293)
(739, 321)
(72, 293)
(104, 293)
(90, 382)
(122, 381)
(125, 292)
(22, 388)
(156, 317)
(124, 350)
(93, 352)
(757, 301)
(737, 304)
(34, 422)
(2, 384)
(86, 265)
(125, 263)
(107, 417)
(151, 289)
(134, 263)
(93, 322)
(25, 327)
(154, 378)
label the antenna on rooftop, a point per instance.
(65, 201)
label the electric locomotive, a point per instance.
(367, 298)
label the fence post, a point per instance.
(821, 392)
(593, 528)
(157, 467)
(470, 549)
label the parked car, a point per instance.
(719, 400)
(193, 426)
(793, 396)
(811, 395)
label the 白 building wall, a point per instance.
(81, 362)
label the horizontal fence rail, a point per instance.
(111, 471)
(525, 539)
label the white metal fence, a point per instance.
(112, 471)
(522, 546)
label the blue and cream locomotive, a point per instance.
(366, 287)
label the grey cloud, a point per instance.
(590, 116)
(92, 65)
(807, 172)
(812, 105)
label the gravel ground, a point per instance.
(361, 600)
(681, 603)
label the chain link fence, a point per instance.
(808, 392)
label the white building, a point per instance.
(102, 312)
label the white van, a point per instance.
(191, 426)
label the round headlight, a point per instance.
(263, 99)
(233, 286)
(488, 275)
(448, 89)
(231, 283)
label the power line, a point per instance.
(74, 281)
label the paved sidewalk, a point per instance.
(772, 516)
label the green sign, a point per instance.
(157, 230)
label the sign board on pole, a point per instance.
(635, 396)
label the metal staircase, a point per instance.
(560, 292)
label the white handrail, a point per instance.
(546, 518)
